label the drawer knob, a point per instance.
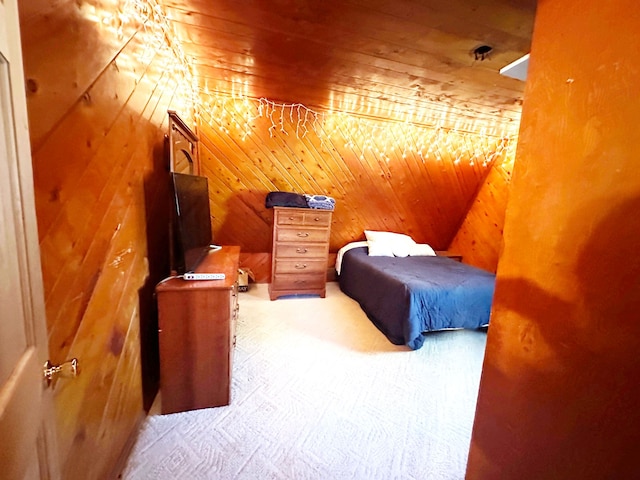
(301, 266)
(301, 250)
(317, 219)
(303, 234)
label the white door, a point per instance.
(27, 448)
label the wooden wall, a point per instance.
(426, 196)
(559, 392)
(98, 93)
(479, 238)
(98, 89)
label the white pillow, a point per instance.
(401, 249)
(388, 243)
(422, 250)
(379, 249)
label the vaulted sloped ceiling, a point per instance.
(426, 117)
(405, 59)
(100, 77)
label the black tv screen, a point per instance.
(191, 226)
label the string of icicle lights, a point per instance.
(361, 134)
(385, 139)
(159, 44)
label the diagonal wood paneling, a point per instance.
(426, 197)
(380, 60)
(98, 93)
(479, 238)
(98, 97)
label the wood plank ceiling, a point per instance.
(402, 59)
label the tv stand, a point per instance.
(196, 320)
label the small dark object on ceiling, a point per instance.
(482, 52)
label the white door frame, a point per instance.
(22, 284)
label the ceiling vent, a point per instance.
(482, 52)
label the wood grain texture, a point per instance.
(98, 101)
(259, 264)
(98, 98)
(479, 238)
(76, 57)
(300, 252)
(425, 197)
(389, 58)
(197, 325)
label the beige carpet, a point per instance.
(319, 393)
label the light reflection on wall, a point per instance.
(123, 18)
(385, 139)
(433, 112)
(428, 133)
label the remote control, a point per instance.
(203, 276)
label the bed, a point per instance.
(407, 297)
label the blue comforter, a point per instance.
(408, 297)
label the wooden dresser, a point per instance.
(196, 320)
(300, 251)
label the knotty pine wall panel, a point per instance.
(378, 54)
(98, 98)
(426, 198)
(85, 47)
(479, 238)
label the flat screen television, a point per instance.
(191, 221)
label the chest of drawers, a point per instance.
(197, 322)
(300, 251)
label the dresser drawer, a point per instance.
(300, 266)
(300, 250)
(300, 282)
(301, 235)
(302, 217)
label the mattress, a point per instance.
(407, 297)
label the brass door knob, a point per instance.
(68, 369)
